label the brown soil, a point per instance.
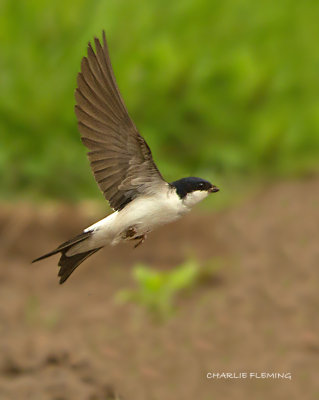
(260, 314)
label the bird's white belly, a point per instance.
(145, 214)
(142, 214)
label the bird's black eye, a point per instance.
(201, 185)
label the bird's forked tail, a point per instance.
(67, 263)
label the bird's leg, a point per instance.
(129, 234)
(142, 237)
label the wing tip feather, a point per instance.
(98, 62)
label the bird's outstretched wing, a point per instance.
(120, 158)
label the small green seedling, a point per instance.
(156, 290)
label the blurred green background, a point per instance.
(220, 89)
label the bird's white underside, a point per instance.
(144, 214)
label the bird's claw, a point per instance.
(142, 237)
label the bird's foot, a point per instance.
(129, 233)
(142, 240)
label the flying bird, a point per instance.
(123, 168)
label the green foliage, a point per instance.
(218, 88)
(157, 290)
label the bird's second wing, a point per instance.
(120, 158)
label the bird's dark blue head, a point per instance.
(191, 184)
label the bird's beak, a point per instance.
(213, 189)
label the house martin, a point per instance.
(123, 167)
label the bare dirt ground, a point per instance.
(260, 314)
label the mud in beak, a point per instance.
(213, 189)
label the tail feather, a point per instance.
(69, 263)
(66, 245)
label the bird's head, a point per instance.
(193, 190)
